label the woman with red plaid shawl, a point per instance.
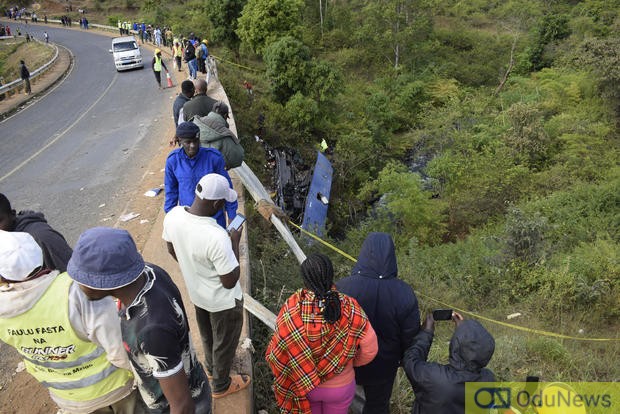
(320, 336)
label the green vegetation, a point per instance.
(12, 51)
(482, 135)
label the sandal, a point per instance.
(237, 383)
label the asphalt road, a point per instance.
(87, 142)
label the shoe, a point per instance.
(237, 383)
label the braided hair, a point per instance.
(318, 274)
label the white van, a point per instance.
(126, 53)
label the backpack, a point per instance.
(189, 52)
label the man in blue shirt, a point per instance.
(185, 166)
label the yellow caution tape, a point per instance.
(235, 64)
(475, 315)
(315, 237)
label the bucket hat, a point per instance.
(105, 258)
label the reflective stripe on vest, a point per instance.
(62, 365)
(70, 367)
(84, 382)
(157, 66)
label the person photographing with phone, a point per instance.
(440, 388)
(208, 256)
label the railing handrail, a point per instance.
(14, 84)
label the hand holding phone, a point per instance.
(236, 223)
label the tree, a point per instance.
(404, 205)
(224, 15)
(288, 65)
(264, 21)
(391, 27)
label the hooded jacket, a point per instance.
(56, 251)
(389, 302)
(441, 388)
(178, 103)
(92, 320)
(215, 133)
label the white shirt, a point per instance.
(204, 251)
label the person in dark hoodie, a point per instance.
(56, 250)
(392, 309)
(441, 388)
(187, 91)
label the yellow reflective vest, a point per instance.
(70, 367)
(157, 66)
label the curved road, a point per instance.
(85, 143)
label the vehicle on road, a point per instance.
(126, 52)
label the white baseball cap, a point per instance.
(215, 187)
(20, 255)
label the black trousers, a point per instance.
(378, 397)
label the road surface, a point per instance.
(83, 145)
(77, 154)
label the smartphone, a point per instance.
(442, 314)
(236, 223)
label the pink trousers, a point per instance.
(331, 400)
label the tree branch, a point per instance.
(509, 69)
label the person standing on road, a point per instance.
(177, 52)
(153, 321)
(187, 91)
(185, 167)
(25, 75)
(209, 259)
(189, 52)
(46, 37)
(157, 65)
(56, 250)
(69, 344)
(201, 104)
(392, 309)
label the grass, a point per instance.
(12, 51)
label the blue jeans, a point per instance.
(193, 68)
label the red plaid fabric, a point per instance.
(306, 351)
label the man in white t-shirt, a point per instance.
(208, 256)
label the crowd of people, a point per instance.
(330, 335)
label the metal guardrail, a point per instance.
(13, 85)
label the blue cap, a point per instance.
(105, 258)
(188, 130)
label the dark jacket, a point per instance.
(199, 105)
(441, 388)
(56, 251)
(24, 72)
(176, 107)
(390, 304)
(215, 133)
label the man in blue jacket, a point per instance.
(185, 166)
(392, 309)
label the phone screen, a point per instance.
(442, 314)
(236, 223)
